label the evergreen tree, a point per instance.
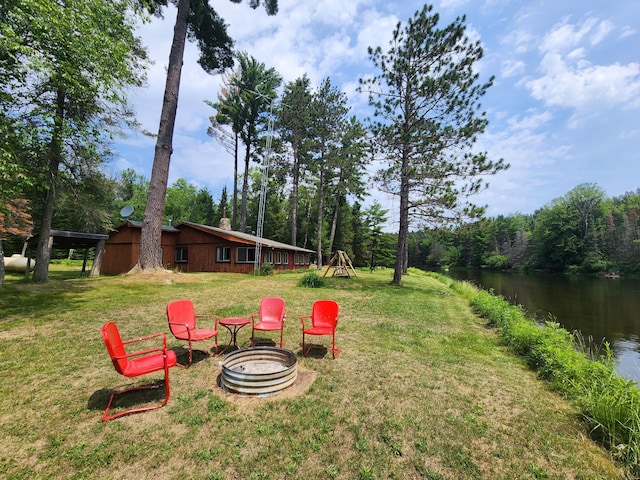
(200, 22)
(427, 121)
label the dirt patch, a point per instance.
(304, 380)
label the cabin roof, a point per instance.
(247, 238)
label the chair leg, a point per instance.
(334, 350)
(106, 417)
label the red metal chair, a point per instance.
(182, 323)
(270, 317)
(137, 363)
(324, 320)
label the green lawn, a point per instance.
(422, 389)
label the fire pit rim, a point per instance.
(259, 383)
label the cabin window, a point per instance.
(268, 256)
(181, 255)
(296, 259)
(285, 258)
(223, 254)
(278, 258)
(246, 254)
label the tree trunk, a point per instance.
(403, 233)
(43, 253)
(151, 235)
(1, 263)
(97, 259)
(234, 208)
(245, 189)
(334, 226)
(294, 200)
(319, 229)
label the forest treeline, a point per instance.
(358, 230)
(583, 231)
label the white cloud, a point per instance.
(511, 68)
(586, 87)
(569, 55)
(518, 41)
(532, 121)
(603, 30)
(564, 36)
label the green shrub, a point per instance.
(266, 269)
(312, 280)
(609, 404)
(496, 262)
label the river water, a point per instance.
(605, 308)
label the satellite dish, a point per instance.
(126, 211)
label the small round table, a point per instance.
(233, 324)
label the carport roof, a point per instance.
(64, 239)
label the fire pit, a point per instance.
(259, 370)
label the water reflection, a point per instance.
(603, 308)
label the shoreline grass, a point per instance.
(421, 389)
(609, 404)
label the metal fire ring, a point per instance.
(259, 370)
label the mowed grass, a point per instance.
(422, 389)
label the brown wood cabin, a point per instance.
(191, 247)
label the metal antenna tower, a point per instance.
(263, 189)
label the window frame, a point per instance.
(247, 255)
(181, 254)
(223, 254)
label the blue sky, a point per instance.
(564, 108)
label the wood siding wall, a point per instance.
(123, 248)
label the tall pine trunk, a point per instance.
(403, 233)
(245, 187)
(234, 207)
(319, 226)
(294, 199)
(150, 240)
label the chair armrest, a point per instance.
(253, 317)
(147, 337)
(215, 323)
(302, 318)
(147, 351)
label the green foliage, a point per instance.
(581, 232)
(266, 269)
(609, 404)
(496, 261)
(417, 127)
(312, 280)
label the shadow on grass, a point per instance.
(317, 351)
(28, 299)
(182, 355)
(133, 399)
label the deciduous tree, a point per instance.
(79, 57)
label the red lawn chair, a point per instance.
(137, 363)
(182, 323)
(270, 317)
(324, 320)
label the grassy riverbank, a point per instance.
(422, 389)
